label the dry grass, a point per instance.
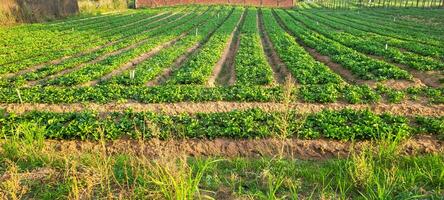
(29, 170)
(102, 6)
(6, 16)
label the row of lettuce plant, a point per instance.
(254, 123)
(372, 47)
(396, 33)
(359, 64)
(199, 66)
(153, 67)
(250, 62)
(326, 93)
(71, 49)
(130, 37)
(158, 37)
(76, 42)
(304, 68)
(412, 46)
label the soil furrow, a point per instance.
(168, 72)
(314, 149)
(227, 76)
(420, 78)
(229, 53)
(280, 70)
(403, 109)
(346, 74)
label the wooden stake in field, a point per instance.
(19, 95)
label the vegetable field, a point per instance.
(222, 73)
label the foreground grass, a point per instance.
(380, 171)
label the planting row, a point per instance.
(359, 64)
(342, 125)
(153, 67)
(394, 32)
(251, 65)
(304, 68)
(199, 66)
(174, 93)
(156, 38)
(371, 46)
(363, 31)
(136, 36)
(72, 43)
(114, 35)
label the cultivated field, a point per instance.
(225, 102)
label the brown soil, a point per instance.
(104, 56)
(317, 149)
(405, 109)
(280, 71)
(36, 174)
(228, 72)
(344, 73)
(225, 63)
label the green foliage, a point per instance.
(254, 123)
(250, 63)
(361, 65)
(199, 66)
(351, 124)
(431, 125)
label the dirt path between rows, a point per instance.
(404, 109)
(280, 70)
(227, 74)
(316, 149)
(225, 67)
(168, 72)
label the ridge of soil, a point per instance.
(313, 149)
(227, 76)
(404, 109)
(167, 72)
(225, 63)
(280, 70)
